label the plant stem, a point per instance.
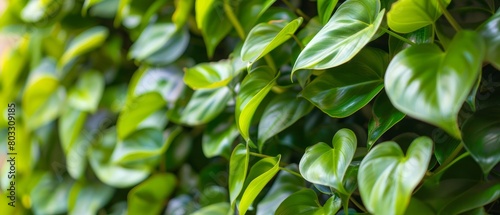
(451, 160)
(259, 155)
(291, 172)
(398, 36)
(301, 45)
(358, 205)
(270, 62)
(296, 10)
(234, 21)
(448, 16)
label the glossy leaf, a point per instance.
(148, 197)
(265, 37)
(305, 202)
(268, 167)
(387, 177)
(254, 88)
(490, 32)
(171, 50)
(140, 145)
(433, 90)
(209, 75)
(238, 167)
(87, 93)
(136, 111)
(477, 196)
(481, 137)
(205, 105)
(341, 91)
(87, 199)
(218, 137)
(281, 112)
(167, 81)
(252, 12)
(182, 11)
(213, 23)
(327, 166)
(325, 9)
(384, 116)
(409, 15)
(348, 31)
(84, 43)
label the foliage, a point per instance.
(230, 106)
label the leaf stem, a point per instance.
(449, 17)
(360, 206)
(270, 62)
(451, 159)
(398, 36)
(296, 10)
(259, 155)
(301, 45)
(234, 21)
(291, 172)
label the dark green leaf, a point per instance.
(148, 197)
(205, 105)
(491, 34)
(218, 137)
(384, 116)
(213, 23)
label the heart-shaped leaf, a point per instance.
(266, 168)
(481, 137)
(409, 15)
(341, 91)
(491, 34)
(253, 90)
(205, 105)
(148, 197)
(87, 93)
(238, 167)
(348, 31)
(327, 166)
(431, 85)
(265, 37)
(83, 43)
(305, 202)
(384, 116)
(281, 112)
(387, 177)
(325, 9)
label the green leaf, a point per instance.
(238, 166)
(325, 9)
(221, 208)
(213, 23)
(481, 137)
(348, 31)
(179, 149)
(49, 195)
(387, 177)
(205, 105)
(324, 165)
(89, 198)
(71, 124)
(281, 112)
(136, 111)
(218, 137)
(83, 43)
(409, 15)
(384, 116)
(305, 202)
(489, 31)
(477, 196)
(183, 9)
(284, 185)
(254, 88)
(267, 168)
(87, 93)
(167, 81)
(149, 196)
(341, 91)
(430, 85)
(209, 75)
(140, 145)
(252, 10)
(265, 37)
(110, 173)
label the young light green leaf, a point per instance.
(284, 185)
(74, 140)
(238, 166)
(148, 197)
(341, 91)
(182, 11)
(87, 93)
(209, 75)
(481, 137)
(267, 167)
(281, 112)
(384, 116)
(324, 165)
(137, 110)
(254, 88)
(387, 177)
(84, 43)
(406, 16)
(205, 105)
(213, 23)
(431, 85)
(489, 31)
(348, 31)
(325, 9)
(265, 37)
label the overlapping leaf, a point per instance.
(238, 166)
(83, 43)
(384, 116)
(409, 15)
